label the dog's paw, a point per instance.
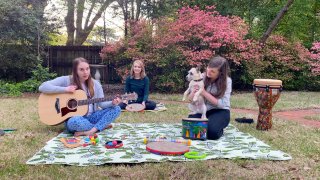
(195, 99)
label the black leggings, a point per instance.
(218, 119)
(150, 105)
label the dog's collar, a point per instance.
(198, 80)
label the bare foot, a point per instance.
(108, 127)
(82, 133)
(86, 133)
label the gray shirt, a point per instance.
(59, 84)
(224, 101)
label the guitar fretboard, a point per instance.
(131, 96)
(91, 101)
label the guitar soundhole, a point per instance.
(72, 104)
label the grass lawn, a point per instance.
(314, 117)
(287, 100)
(301, 142)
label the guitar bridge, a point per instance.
(57, 105)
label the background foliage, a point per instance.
(172, 36)
(171, 46)
(24, 31)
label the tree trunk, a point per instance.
(138, 9)
(77, 35)
(275, 22)
(69, 19)
(124, 7)
(132, 10)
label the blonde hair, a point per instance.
(75, 77)
(143, 71)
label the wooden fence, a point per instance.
(59, 60)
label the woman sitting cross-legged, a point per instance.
(138, 82)
(99, 115)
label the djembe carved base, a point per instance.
(267, 92)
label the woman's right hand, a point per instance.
(71, 88)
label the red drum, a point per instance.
(267, 92)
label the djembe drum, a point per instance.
(267, 92)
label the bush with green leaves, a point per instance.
(9, 89)
(24, 31)
(288, 61)
(39, 75)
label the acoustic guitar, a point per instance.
(57, 108)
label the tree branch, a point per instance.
(275, 22)
(89, 13)
(80, 9)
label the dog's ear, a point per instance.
(198, 68)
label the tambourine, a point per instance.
(135, 107)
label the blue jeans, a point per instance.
(218, 119)
(99, 119)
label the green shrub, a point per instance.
(42, 74)
(10, 89)
(39, 75)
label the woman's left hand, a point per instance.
(144, 104)
(116, 101)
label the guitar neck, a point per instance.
(91, 101)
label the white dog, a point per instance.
(197, 105)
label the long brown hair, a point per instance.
(224, 72)
(143, 71)
(75, 77)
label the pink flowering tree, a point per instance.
(315, 50)
(170, 46)
(201, 34)
(138, 45)
(281, 59)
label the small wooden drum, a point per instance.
(194, 128)
(167, 148)
(135, 107)
(267, 92)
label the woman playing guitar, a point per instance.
(99, 115)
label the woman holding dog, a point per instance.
(138, 82)
(217, 92)
(99, 115)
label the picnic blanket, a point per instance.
(233, 144)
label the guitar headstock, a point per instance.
(129, 96)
